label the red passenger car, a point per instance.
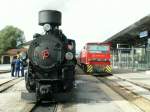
(95, 57)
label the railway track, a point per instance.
(6, 85)
(47, 107)
(144, 86)
(137, 84)
(140, 101)
(129, 94)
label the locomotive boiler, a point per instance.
(51, 67)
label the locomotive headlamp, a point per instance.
(47, 27)
(69, 56)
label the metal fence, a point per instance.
(134, 59)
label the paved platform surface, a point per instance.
(139, 77)
(135, 82)
(5, 68)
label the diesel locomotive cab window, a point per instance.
(98, 48)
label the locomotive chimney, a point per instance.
(51, 17)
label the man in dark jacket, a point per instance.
(13, 66)
(17, 67)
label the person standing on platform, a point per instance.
(13, 66)
(22, 68)
(17, 67)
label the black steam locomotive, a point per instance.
(51, 67)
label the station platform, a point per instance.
(4, 68)
(4, 77)
(139, 78)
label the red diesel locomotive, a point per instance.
(95, 57)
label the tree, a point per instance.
(10, 36)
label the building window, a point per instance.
(6, 60)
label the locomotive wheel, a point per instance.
(29, 87)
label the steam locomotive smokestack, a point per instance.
(51, 17)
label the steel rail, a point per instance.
(6, 82)
(6, 85)
(147, 87)
(33, 107)
(129, 95)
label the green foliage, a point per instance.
(10, 36)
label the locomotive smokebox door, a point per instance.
(51, 17)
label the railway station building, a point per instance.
(7, 57)
(131, 46)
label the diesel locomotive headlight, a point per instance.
(47, 27)
(69, 56)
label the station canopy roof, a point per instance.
(130, 35)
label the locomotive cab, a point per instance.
(51, 67)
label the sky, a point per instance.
(82, 20)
